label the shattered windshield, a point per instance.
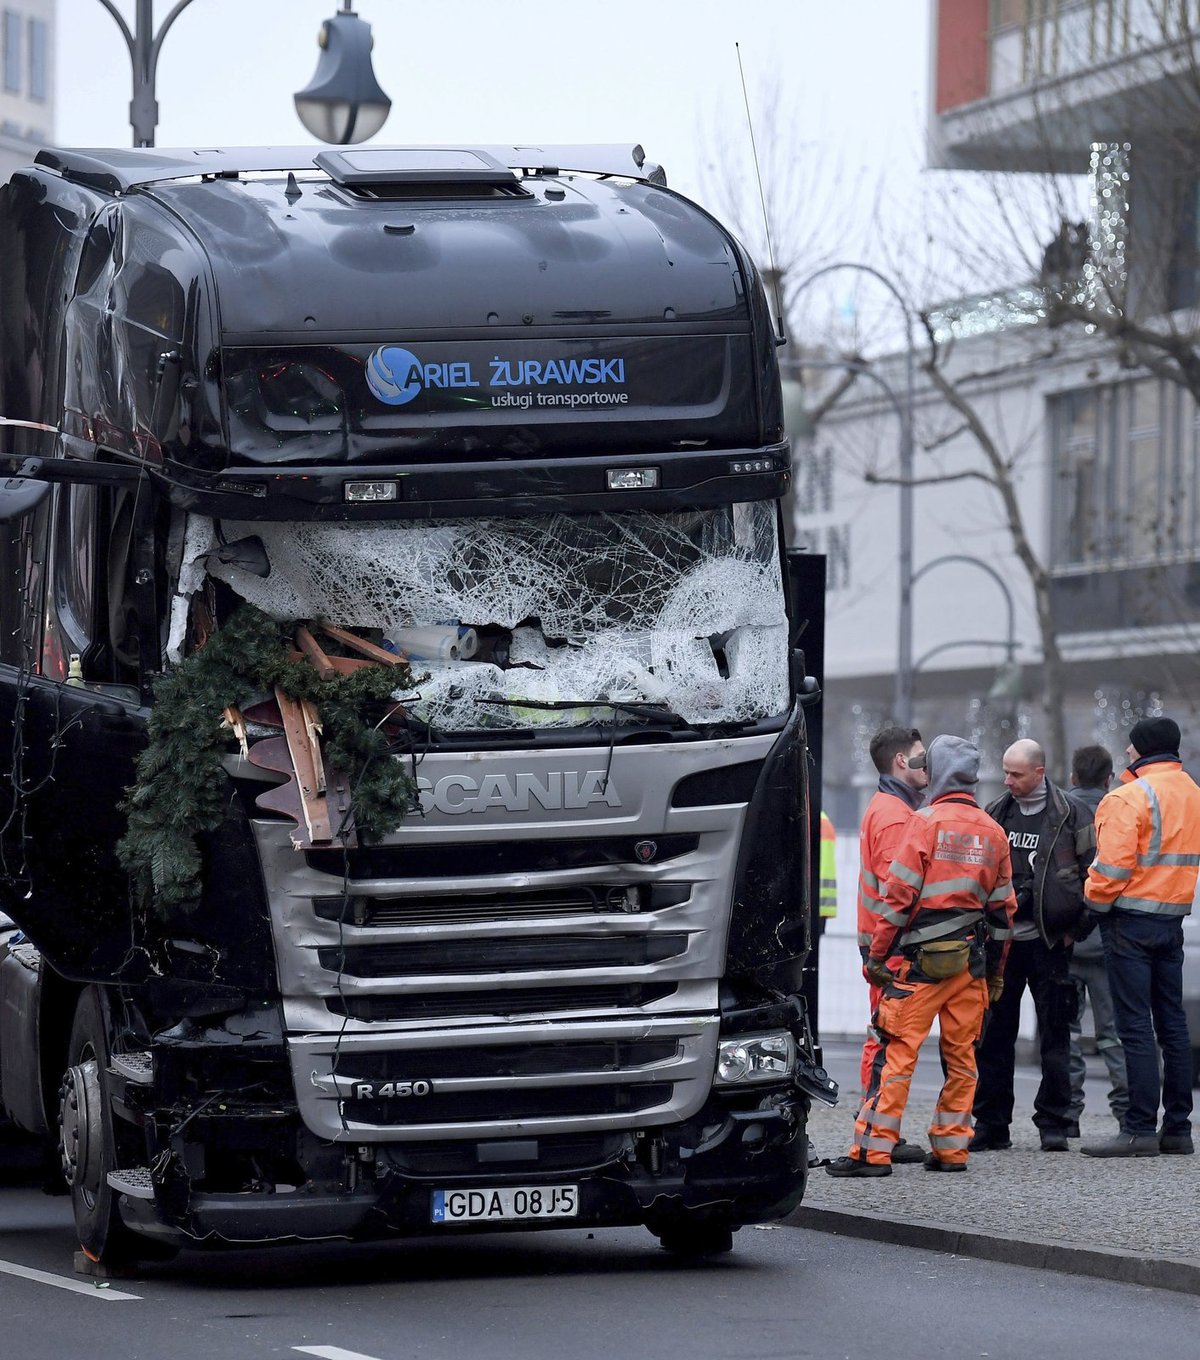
(683, 610)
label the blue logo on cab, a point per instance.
(396, 375)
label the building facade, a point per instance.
(1101, 441)
(26, 80)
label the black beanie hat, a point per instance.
(1155, 737)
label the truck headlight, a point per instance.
(755, 1058)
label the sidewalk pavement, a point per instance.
(1133, 1220)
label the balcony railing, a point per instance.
(1031, 41)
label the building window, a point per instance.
(12, 52)
(39, 53)
(1125, 460)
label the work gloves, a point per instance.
(995, 986)
(876, 971)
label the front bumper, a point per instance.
(735, 1166)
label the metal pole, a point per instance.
(904, 679)
(1010, 646)
(144, 45)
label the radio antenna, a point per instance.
(762, 198)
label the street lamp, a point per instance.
(1010, 643)
(144, 46)
(904, 666)
(343, 103)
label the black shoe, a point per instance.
(989, 1140)
(1124, 1145)
(1176, 1144)
(1072, 1129)
(907, 1154)
(1054, 1142)
(934, 1163)
(851, 1166)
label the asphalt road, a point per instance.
(782, 1293)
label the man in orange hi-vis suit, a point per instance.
(937, 951)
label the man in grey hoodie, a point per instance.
(1091, 774)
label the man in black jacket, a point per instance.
(1052, 844)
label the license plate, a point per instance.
(505, 1205)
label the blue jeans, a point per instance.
(1144, 954)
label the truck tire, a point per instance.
(88, 1141)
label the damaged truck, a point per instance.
(407, 821)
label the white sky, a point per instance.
(659, 72)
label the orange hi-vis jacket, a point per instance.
(951, 879)
(1147, 842)
(879, 838)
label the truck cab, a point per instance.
(402, 663)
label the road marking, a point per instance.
(97, 1289)
(333, 1353)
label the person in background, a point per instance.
(1142, 885)
(899, 755)
(1051, 842)
(1091, 774)
(937, 952)
(827, 870)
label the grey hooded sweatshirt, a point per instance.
(953, 766)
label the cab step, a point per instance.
(135, 1067)
(134, 1181)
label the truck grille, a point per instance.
(517, 1001)
(490, 857)
(510, 1060)
(506, 1104)
(526, 1079)
(538, 953)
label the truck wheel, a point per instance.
(87, 1141)
(691, 1240)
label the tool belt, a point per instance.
(944, 958)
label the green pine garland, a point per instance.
(181, 790)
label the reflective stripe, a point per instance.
(1000, 892)
(864, 938)
(949, 1140)
(1155, 847)
(905, 874)
(1152, 906)
(950, 885)
(1000, 932)
(937, 929)
(1101, 907)
(1173, 861)
(881, 1121)
(896, 918)
(1111, 870)
(868, 879)
(871, 907)
(952, 1116)
(878, 1144)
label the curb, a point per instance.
(1182, 1276)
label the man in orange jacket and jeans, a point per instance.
(898, 753)
(1141, 884)
(937, 952)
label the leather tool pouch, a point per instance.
(944, 958)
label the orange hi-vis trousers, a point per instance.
(904, 1021)
(871, 1050)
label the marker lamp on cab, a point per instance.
(363, 492)
(752, 1058)
(632, 479)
